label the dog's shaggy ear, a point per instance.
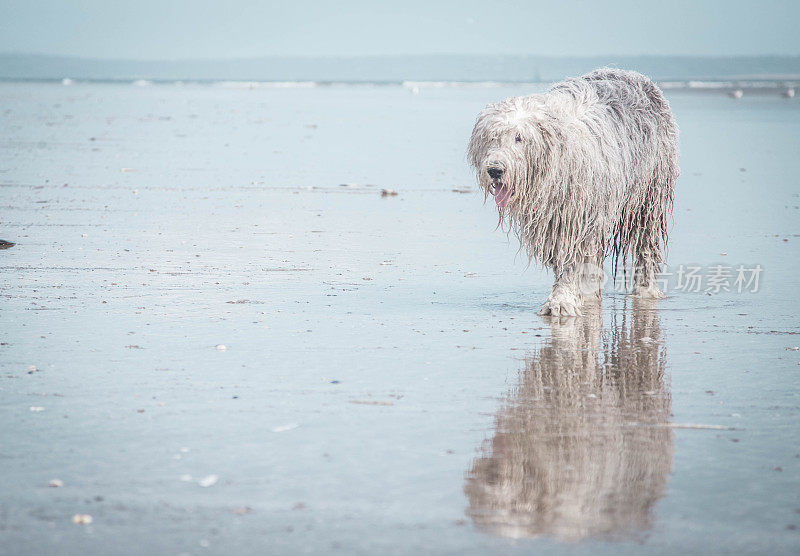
(546, 146)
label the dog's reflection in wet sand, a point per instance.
(581, 446)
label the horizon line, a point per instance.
(384, 56)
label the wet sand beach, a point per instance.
(218, 336)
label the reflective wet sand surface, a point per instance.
(386, 386)
(581, 446)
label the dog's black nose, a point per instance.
(495, 173)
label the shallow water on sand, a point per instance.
(386, 384)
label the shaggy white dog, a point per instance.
(585, 170)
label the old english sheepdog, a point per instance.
(585, 170)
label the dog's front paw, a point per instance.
(561, 306)
(648, 292)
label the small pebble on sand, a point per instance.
(208, 481)
(284, 428)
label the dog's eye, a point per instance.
(518, 138)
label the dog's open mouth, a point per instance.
(502, 194)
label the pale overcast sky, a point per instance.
(171, 29)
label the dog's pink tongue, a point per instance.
(502, 195)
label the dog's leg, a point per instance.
(651, 233)
(648, 265)
(566, 298)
